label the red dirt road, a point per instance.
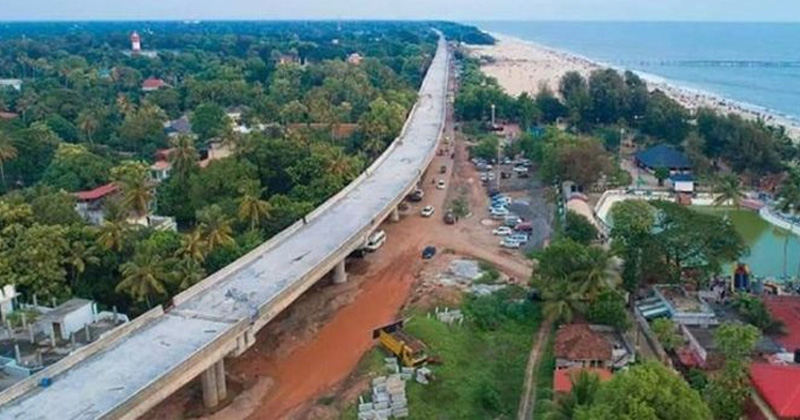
(334, 353)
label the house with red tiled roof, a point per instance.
(8, 115)
(787, 310)
(579, 345)
(151, 83)
(160, 170)
(563, 378)
(776, 391)
(90, 204)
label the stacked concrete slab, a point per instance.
(388, 395)
(449, 316)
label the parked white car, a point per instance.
(375, 241)
(440, 184)
(509, 243)
(427, 211)
(503, 231)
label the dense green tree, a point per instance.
(550, 107)
(142, 130)
(667, 334)
(32, 257)
(75, 168)
(7, 152)
(609, 309)
(208, 120)
(579, 229)
(648, 391)
(486, 148)
(728, 391)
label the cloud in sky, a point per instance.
(703, 10)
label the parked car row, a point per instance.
(514, 230)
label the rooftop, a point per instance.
(96, 193)
(663, 156)
(779, 386)
(161, 165)
(787, 310)
(153, 83)
(681, 178)
(66, 308)
(579, 342)
(562, 378)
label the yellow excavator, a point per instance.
(407, 349)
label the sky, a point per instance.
(456, 10)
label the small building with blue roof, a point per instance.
(663, 156)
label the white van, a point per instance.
(375, 241)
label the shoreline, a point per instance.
(521, 66)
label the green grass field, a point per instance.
(483, 360)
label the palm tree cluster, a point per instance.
(575, 280)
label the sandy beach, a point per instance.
(522, 66)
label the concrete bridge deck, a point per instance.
(124, 376)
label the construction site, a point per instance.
(320, 356)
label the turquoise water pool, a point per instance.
(772, 250)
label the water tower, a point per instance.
(136, 43)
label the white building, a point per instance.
(682, 183)
(69, 317)
(7, 295)
(15, 84)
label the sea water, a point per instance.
(752, 63)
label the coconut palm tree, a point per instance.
(599, 273)
(88, 123)
(113, 232)
(373, 146)
(561, 300)
(192, 246)
(184, 156)
(188, 272)
(78, 257)
(7, 152)
(252, 209)
(728, 190)
(143, 277)
(215, 227)
(137, 189)
(339, 164)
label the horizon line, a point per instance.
(381, 19)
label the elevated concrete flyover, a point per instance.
(129, 371)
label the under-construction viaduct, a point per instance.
(137, 365)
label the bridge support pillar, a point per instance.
(222, 386)
(210, 392)
(395, 216)
(339, 273)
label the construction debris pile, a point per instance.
(449, 316)
(388, 394)
(466, 274)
